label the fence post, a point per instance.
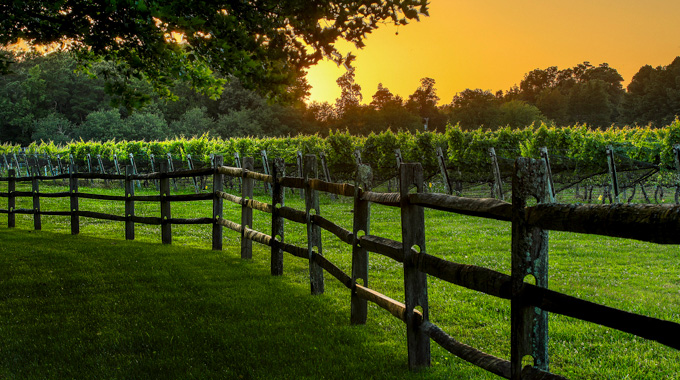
(166, 227)
(415, 282)
(73, 188)
(529, 325)
(360, 227)
(218, 203)
(129, 203)
(278, 200)
(11, 198)
(441, 160)
(498, 182)
(313, 231)
(612, 172)
(35, 188)
(247, 212)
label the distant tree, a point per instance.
(552, 103)
(383, 98)
(423, 102)
(517, 114)
(350, 93)
(100, 126)
(589, 103)
(653, 95)
(53, 127)
(473, 109)
(194, 122)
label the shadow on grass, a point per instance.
(82, 307)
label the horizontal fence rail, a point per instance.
(530, 304)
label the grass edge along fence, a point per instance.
(530, 304)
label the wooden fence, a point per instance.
(530, 304)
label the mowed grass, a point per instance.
(97, 306)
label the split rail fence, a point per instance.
(530, 304)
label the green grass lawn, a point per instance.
(97, 306)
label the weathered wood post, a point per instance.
(313, 231)
(190, 163)
(35, 189)
(676, 157)
(612, 173)
(265, 167)
(298, 159)
(441, 160)
(129, 203)
(415, 281)
(247, 212)
(17, 167)
(326, 172)
(116, 165)
(237, 162)
(400, 160)
(498, 181)
(11, 198)
(551, 190)
(171, 168)
(360, 227)
(152, 162)
(529, 325)
(218, 203)
(357, 157)
(131, 157)
(278, 201)
(166, 227)
(89, 167)
(73, 189)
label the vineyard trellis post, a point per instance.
(171, 168)
(5, 165)
(399, 159)
(415, 281)
(166, 227)
(441, 160)
(498, 182)
(310, 171)
(360, 227)
(61, 167)
(16, 164)
(265, 166)
(278, 201)
(190, 164)
(529, 256)
(326, 172)
(73, 199)
(237, 162)
(129, 203)
(247, 212)
(35, 188)
(676, 158)
(298, 160)
(612, 172)
(11, 198)
(152, 162)
(218, 203)
(89, 166)
(27, 165)
(134, 168)
(544, 155)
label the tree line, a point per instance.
(46, 97)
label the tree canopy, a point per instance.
(266, 44)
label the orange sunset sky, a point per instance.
(491, 44)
